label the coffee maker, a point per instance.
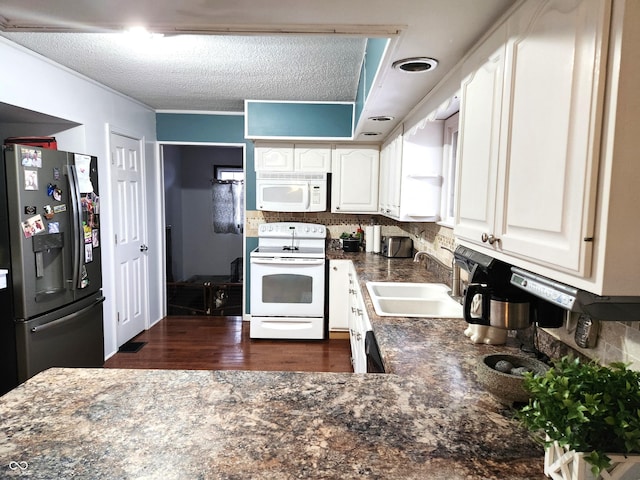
(492, 300)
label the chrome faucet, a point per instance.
(455, 270)
(455, 274)
(417, 256)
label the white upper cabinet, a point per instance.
(274, 157)
(288, 157)
(390, 175)
(312, 158)
(411, 173)
(421, 178)
(530, 135)
(354, 179)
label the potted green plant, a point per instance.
(587, 408)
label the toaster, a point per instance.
(397, 247)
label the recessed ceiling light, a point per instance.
(141, 33)
(381, 118)
(416, 64)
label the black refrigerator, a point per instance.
(50, 245)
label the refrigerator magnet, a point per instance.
(30, 179)
(95, 238)
(57, 194)
(31, 157)
(50, 189)
(54, 227)
(88, 253)
(29, 210)
(32, 226)
(56, 173)
(48, 212)
(59, 208)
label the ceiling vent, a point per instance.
(416, 64)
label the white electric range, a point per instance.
(288, 281)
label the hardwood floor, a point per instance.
(223, 343)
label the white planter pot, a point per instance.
(560, 463)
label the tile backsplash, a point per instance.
(617, 341)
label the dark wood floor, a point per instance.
(223, 343)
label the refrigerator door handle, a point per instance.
(78, 231)
(68, 318)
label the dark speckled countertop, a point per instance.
(428, 419)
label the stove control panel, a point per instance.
(292, 229)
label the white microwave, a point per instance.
(291, 191)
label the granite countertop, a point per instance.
(427, 419)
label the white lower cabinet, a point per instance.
(347, 310)
(339, 295)
(358, 327)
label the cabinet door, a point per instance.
(339, 287)
(274, 157)
(312, 158)
(353, 324)
(555, 64)
(354, 183)
(479, 139)
(395, 176)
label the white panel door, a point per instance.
(130, 237)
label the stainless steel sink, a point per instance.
(426, 300)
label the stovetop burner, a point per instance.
(291, 239)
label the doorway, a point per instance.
(203, 266)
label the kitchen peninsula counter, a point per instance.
(429, 419)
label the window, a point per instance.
(221, 172)
(449, 164)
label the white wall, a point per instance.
(43, 86)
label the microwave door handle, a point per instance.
(307, 196)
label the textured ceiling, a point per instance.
(217, 53)
(207, 72)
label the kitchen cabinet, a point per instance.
(340, 282)
(354, 182)
(287, 157)
(359, 324)
(347, 310)
(529, 135)
(411, 173)
(421, 173)
(312, 158)
(390, 175)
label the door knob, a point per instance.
(143, 248)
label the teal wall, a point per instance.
(373, 56)
(307, 120)
(188, 127)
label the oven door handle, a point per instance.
(287, 261)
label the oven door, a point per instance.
(287, 287)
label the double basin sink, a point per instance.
(401, 299)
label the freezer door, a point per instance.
(70, 337)
(39, 229)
